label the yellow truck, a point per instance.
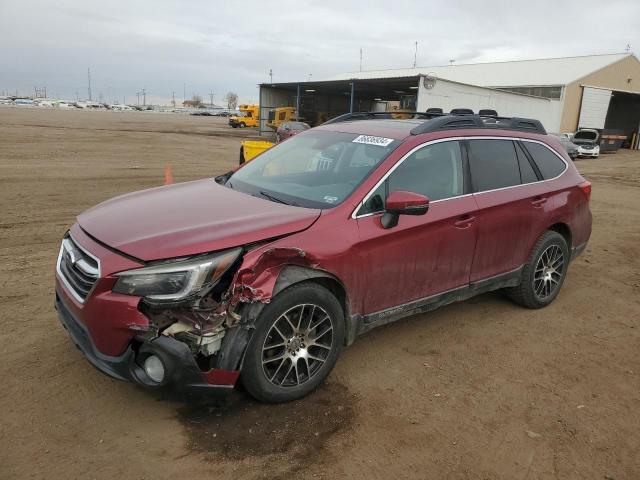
(280, 115)
(249, 118)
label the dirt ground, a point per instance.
(477, 390)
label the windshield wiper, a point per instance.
(274, 198)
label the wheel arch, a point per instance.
(293, 274)
(564, 230)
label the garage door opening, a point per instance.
(624, 114)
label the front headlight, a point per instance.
(176, 280)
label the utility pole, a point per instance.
(211, 97)
(173, 99)
(138, 95)
(415, 56)
(184, 92)
(89, 78)
(360, 59)
(270, 76)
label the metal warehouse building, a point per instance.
(595, 91)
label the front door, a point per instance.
(423, 255)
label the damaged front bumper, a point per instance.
(181, 372)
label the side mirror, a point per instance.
(403, 203)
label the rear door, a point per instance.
(422, 255)
(512, 205)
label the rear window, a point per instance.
(493, 164)
(548, 163)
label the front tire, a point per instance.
(544, 273)
(296, 343)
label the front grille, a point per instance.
(77, 268)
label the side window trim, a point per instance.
(465, 166)
(465, 172)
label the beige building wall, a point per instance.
(615, 77)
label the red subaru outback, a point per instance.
(268, 272)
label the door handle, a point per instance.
(537, 202)
(465, 221)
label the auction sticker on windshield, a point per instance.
(370, 140)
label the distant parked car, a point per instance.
(202, 114)
(571, 148)
(587, 141)
(289, 129)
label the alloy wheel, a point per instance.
(549, 271)
(297, 345)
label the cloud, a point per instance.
(222, 46)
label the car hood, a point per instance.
(190, 218)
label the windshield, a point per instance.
(315, 169)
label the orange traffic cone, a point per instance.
(168, 175)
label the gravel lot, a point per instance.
(481, 389)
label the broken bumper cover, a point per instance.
(182, 372)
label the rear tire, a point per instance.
(297, 340)
(543, 275)
(242, 159)
(242, 124)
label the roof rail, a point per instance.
(444, 121)
(385, 115)
(452, 122)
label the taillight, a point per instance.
(586, 189)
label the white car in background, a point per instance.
(587, 141)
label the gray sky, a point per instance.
(222, 46)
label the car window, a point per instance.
(435, 171)
(527, 173)
(375, 203)
(493, 164)
(548, 162)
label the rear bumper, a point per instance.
(182, 372)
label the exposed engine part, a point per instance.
(199, 342)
